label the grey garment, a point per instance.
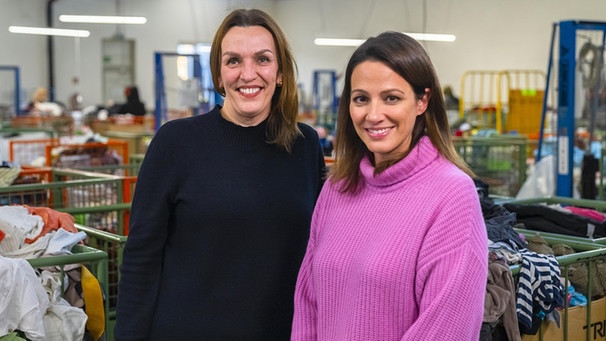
(499, 225)
(499, 221)
(500, 299)
(554, 316)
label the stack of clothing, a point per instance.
(39, 304)
(514, 309)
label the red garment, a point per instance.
(586, 212)
(53, 220)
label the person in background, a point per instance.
(450, 100)
(41, 106)
(221, 212)
(75, 100)
(39, 96)
(133, 104)
(398, 247)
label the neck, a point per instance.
(229, 114)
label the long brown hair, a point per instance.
(405, 56)
(282, 129)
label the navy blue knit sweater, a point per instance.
(218, 228)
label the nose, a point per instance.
(249, 71)
(375, 112)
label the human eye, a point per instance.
(359, 99)
(231, 61)
(263, 59)
(392, 98)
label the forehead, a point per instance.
(375, 71)
(249, 39)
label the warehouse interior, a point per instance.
(524, 83)
(489, 36)
(497, 48)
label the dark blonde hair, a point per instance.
(405, 56)
(282, 129)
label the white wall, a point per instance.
(169, 23)
(491, 35)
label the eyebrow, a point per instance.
(258, 53)
(382, 92)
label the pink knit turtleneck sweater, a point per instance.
(405, 258)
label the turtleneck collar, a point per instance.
(418, 158)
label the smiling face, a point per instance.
(249, 74)
(383, 109)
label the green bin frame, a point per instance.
(96, 260)
(598, 205)
(586, 252)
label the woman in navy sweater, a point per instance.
(223, 202)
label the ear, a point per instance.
(279, 78)
(423, 102)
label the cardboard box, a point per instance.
(577, 325)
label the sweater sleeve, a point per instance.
(452, 270)
(310, 133)
(142, 259)
(306, 315)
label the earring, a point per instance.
(279, 84)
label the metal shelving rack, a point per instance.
(16, 87)
(161, 111)
(325, 97)
(566, 90)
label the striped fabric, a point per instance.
(539, 282)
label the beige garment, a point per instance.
(537, 244)
(578, 273)
(500, 299)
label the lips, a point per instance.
(249, 91)
(378, 132)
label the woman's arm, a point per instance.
(452, 271)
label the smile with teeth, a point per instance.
(249, 91)
(378, 131)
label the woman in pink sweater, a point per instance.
(398, 246)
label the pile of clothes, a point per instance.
(45, 303)
(518, 306)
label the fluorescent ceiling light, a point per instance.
(433, 37)
(102, 19)
(338, 42)
(358, 42)
(49, 31)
